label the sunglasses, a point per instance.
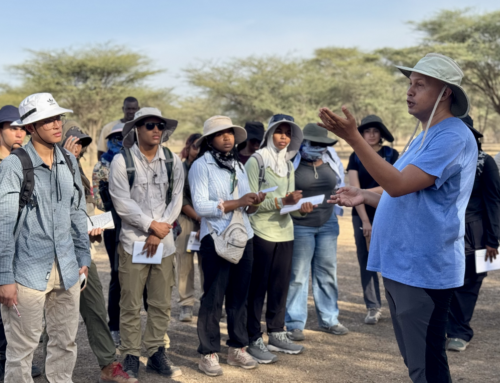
(281, 117)
(151, 125)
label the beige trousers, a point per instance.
(184, 263)
(159, 280)
(62, 312)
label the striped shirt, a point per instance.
(209, 184)
(53, 225)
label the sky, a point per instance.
(178, 34)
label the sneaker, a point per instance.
(186, 314)
(241, 358)
(161, 364)
(131, 366)
(114, 373)
(260, 353)
(338, 329)
(279, 341)
(456, 344)
(116, 338)
(296, 335)
(209, 364)
(373, 315)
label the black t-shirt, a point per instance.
(366, 181)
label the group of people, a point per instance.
(240, 189)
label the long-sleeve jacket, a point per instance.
(145, 202)
(52, 227)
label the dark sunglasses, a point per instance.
(151, 125)
(281, 117)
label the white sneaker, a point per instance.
(373, 315)
(209, 364)
(241, 358)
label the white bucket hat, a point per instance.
(216, 124)
(38, 106)
(296, 138)
(118, 128)
(129, 127)
(445, 69)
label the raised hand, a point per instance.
(348, 196)
(343, 127)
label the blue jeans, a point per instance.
(314, 248)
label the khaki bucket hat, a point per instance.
(443, 68)
(216, 124)
(145, 112)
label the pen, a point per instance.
(17, 311)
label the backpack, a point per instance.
(130, 166)
(262, 171)
(28, 185)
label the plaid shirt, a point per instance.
(53, 227)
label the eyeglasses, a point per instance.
(151, 125)
(48, 123)
(281, 117)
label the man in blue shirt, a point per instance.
(418, 232)
(44, 250)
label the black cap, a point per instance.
(467, 120)
(255, 130)
(74, 129)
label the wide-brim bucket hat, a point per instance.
(71, 128)
(9, 113)
(373, 121)
(37, 107)
(118, 128)
(445, 69)
(315, 133)
(129, 128)
(297, 135)
(218, 123)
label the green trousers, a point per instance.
(94, 314)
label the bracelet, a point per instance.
(276, 203)
(256, 204)
(220, 206)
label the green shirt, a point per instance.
(267, 222)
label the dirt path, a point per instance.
(366, 354)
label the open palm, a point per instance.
(348, 196)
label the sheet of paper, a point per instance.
(193, 243)
(482, 265)
(269, 190)
(315, 200)
(139, 255)
(103, 221)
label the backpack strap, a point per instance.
(129, 164)
(262, 169)
(73, 172)
(169, 164)
(28, 185)
(290, 167)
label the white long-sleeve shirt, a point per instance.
(145, 201)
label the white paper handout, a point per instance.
(102, 221)
(315, 200)
(269, 190)
(139, 255)
(193, 243)
(482, 265)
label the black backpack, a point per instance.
(28, 185)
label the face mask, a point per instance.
(115, 146)
(311, 153)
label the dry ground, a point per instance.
(366, 354)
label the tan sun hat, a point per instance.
(445, 69)
(216, 124)
(129, 128)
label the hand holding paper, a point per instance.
(316, 200)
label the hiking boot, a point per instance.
(338, 329)
(186, 314)
(260, 353)
(239, 357)
(161, 364)
(35, 371)
(296, 335)
(456, 344)
(373, 315)
(279, 341)
(116, 338)
(209, 364)
(131, 366)
(114, 373)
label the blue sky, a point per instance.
(175, 34)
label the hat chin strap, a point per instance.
(428, 123)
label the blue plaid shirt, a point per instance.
(53, 226)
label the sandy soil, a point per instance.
(366, 354)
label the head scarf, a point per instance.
(274, 158)
(311, 153)
(113, 149)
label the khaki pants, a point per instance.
(23, 334)
(184, 263)
(159, 280)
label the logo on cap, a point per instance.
(51, 101)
